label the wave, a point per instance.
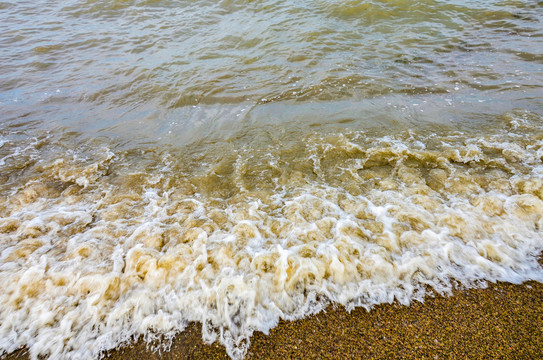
(101, 244)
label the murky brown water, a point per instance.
(236, 162)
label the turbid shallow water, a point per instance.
(236, 163)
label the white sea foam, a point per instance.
(96, 250)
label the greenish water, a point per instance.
(240, 162)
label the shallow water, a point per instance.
(236, 162)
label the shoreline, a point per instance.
(501, 321)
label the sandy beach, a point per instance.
(503, 321)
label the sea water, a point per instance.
(235, 163)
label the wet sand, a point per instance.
(501, 321)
